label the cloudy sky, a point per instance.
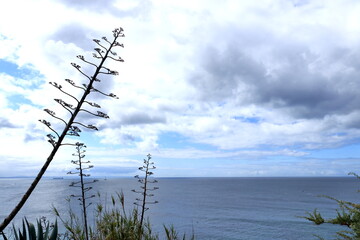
(209, 88)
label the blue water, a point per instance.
(212, 208)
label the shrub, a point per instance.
(348, 215)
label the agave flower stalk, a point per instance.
(80, 167)
(145, 188)
(102, 53)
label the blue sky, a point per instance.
(209, 88)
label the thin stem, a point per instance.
(83, 192)
(53, 115)
(65, 92)
(144, 194)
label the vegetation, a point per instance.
(110, 223)
(348, 215)
(29, 231)
(72, 126)
(114, 222)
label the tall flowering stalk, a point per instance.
(102, 53)
(141, 202)
(81, 167)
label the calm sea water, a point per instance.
(214, 208)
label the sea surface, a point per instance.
(211, 208)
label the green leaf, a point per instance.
(54, 232)
(40, 234)
(315, 217)
(31, 229)
(15, 233)
(47, 231)
(23, 237)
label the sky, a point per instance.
(208, 88)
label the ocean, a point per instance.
(211, 208)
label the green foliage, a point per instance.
(172, 234)
(114, 223)
(343, 217)
(315, 217)
(111, 223)
(30, 232)
(347, 215)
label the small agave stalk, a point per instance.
(145, 188)
(80, 167)
(103, 52)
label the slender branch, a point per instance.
(65, 105)
(117, 59)
(68, 144)
(93, 104)
(52, 113)
(74, 85)
(99, 114)
(78, 68)
(105, 39)
(46, 123)
(108, 95)
(99, 51)
(98, 43)
(59, 87)
(89, 126)
(96, 56)
(110, 72)
(117, 44)
(81, 57)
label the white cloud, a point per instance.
(238, 77)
